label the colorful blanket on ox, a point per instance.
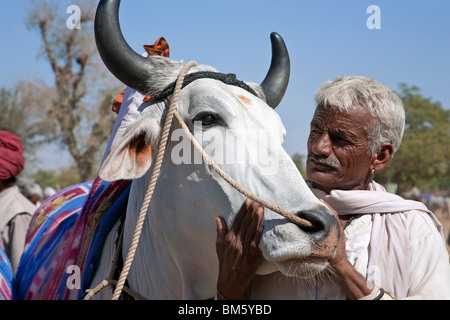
(65, 239)
(6, 277)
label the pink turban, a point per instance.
(11, 159)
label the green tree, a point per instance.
(21, 114)
(299, 161)
(57, 180)
(424, 156)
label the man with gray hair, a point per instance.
(390, 248)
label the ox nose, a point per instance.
(322, 226)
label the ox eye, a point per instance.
(207, 119)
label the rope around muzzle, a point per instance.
(157, 167)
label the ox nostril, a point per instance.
(321, 223)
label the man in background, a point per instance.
(15, 209)
(34, 193)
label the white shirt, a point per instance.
(15, 215)
(429, 268)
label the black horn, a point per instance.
(133, 69)
(123, 62)
(275, 84)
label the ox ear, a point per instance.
(132, 155)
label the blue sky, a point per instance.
(325, 38)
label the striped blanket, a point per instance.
(65, 239)
(6, 277)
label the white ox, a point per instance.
(176, 257)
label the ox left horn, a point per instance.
(120, 59)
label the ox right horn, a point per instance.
(275, 84)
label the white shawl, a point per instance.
(390, 249)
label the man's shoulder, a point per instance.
(17, 203)
(421, 225)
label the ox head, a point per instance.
(236, 122)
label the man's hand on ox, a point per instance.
(353, 284)
(238, 251)
(340, 255)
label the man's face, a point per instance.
(338, 149)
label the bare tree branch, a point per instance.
(78, 88)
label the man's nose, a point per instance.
(323, 145)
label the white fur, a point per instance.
(176, 257)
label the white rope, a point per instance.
(151, 186)
(210, 162)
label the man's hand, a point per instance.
(353, 284)
(238, 251)
(340, 256)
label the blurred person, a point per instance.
(48, 192)
(15, 209)
(34, 193)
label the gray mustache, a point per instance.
(323, 160)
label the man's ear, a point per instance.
(132, 156)
(383, 157)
